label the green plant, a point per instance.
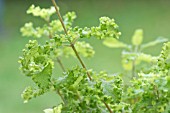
(82, 89)
(133, 55)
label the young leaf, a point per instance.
(49, 110)
(146, 58)
(41, 12)
(114, 43)
(69, 19)
(153, 43)
(106, 29)
(137, 37)
(58, 109)
(29, 31)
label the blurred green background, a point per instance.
(153, 16)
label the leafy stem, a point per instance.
(71, 44)
(59, 62)
(74, 49)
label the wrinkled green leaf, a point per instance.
(42, 79)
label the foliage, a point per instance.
(87, 91)
(132, 55)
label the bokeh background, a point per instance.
(153, 16)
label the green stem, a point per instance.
(107, 106)
(134, 62)
(133, 68)
(62, 98)
(59, 62)
(80, 60)
(72, 45)
(58, 59)
(59, 16)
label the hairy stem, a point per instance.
(74, 49)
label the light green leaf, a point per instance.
(69, 19)
(41, 12)
(114, 43)
(146, 58)
(76, 83)
(42, 79)
(127, 65)
(107, 28)
(155, 42)
(58, 109)
(49, 110)
(137, 37)
(83, 48)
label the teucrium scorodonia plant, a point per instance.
(81, 89)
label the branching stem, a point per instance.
(58, 59)
(59, 62)
(72, 45)
(74, 49)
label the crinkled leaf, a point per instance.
(106, 29)
(41, 12)
(42, 79)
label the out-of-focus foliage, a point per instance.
(132, 55)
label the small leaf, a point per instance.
(58, 109)
(41, 12)
(146, 58)
(155, 42)
(114, 43)
(76, 83)
(137, 37)
(49, 110)
(128, 65)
